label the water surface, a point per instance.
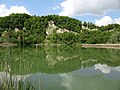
(61, 67)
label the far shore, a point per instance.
(115, 46)
(7, 44)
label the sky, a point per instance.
(100, 12)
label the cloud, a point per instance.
(107, 20)
(56, 7)
(94, 7)
(116, 20)
(104, 21)
(4, 11)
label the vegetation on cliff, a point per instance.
(26, 30)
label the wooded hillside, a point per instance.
(26, 29)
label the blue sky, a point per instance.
(35, 7)
(96, 11)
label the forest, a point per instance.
(24, 29)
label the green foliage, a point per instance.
(115, 37)
(5, 36)
(109, 27)
(26, 30)
(67, 38)
(93, 37)
(32, 29)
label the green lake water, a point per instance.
(61, 67)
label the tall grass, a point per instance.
(7, 79)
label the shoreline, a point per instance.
(7, 44)
(114, 46)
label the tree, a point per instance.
(115, 37)
(5, 36)
(85, 24)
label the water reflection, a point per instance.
(61, 68)
(106, 69)
(54, 59)
(82, 79)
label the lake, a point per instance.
(59, 68)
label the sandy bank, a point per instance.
(7, 44)
(115, 46)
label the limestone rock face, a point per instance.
(51, 24)
(51, 27)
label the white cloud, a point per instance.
(107, 20)
(116, 20)
(4, 11)
(103, 21)
(56, 7)
(95, 7)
